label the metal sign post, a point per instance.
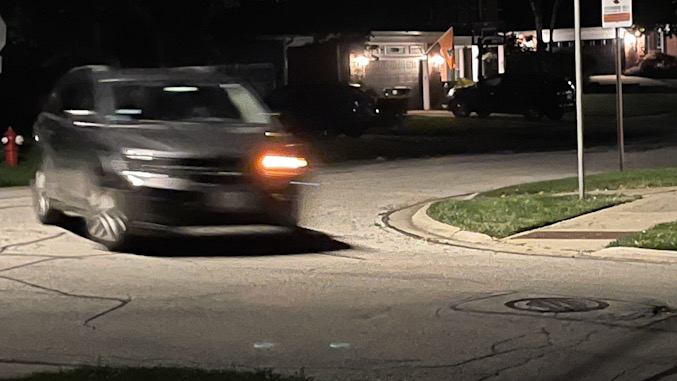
(619, 101)
(579, 98)
(618, 14)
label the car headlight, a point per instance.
(451, 92)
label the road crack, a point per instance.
(121, 302)
(47, 258)
(14, 207)
(13, 245)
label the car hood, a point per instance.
(184, 139)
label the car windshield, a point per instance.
(184, 102)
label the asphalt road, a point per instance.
(350, 300)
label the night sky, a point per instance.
(47, 37)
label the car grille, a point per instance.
(203, 171)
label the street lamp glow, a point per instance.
(437, 60)
(361, 61)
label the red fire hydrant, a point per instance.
(11, 142)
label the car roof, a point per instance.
(210, 74)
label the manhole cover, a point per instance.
(556, 305)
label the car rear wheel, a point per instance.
(533, 113)
(42, 204)
(106, 223)
(555, 115)
(460, 109)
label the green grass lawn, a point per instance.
(157, 374)
(501, 217)
(632, 179)
(661, 237)
(510, 210)
(21, 175)
(633, 104)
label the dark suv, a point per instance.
(156, 150)
(324, 109)
(532, 95)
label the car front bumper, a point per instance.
(151, 210)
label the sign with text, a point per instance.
(616, 13)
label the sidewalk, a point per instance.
(584, 236)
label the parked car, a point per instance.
(530, 95)
(137, 151)
(320, 109)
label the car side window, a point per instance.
(76, 96)
(53, 103)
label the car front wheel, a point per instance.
(42, 204)
(459, 108)
(106, 223)
(555, 114)
(533, 113)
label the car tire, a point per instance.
(355, 132)
(533, 113)
(42, 204)
(459, 108)
(555, 115)
(105, 223)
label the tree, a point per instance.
(553, 21)
(658, 15)
(537, 9)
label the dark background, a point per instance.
(46, 38)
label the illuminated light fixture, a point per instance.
(128, 111)
(136, 178)
(139, 154)
(180, 89)
(283, 162)
(362, 61)
(276, 165)
(437, 60)
(137, 182)
(638, 33)
(629, 38)
(80, 112)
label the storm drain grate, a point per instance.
(556, 305)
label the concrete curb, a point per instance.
(421, 220)
(415, 222)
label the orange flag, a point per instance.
(447, 47)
